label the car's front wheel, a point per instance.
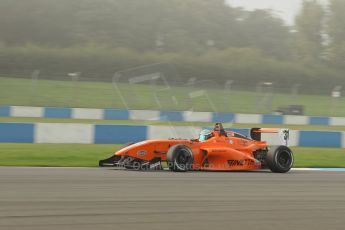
(180, 158)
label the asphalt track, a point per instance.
(94, 198)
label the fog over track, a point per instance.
(99, 198)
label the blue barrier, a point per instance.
(17, 132)
(119, 134)
(58, 112)
(116, 114)
(319, 120)
(223, 117)
(272, 119)
(171, 116)
(123, 114)
(320, 139)
(5, 111)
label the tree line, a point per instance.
(203, 39)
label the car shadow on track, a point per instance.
(192, 171)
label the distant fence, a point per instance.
(120, 134)
(155, 91)
(152, 115)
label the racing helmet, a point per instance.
(205, 135)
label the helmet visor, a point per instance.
(203, 137)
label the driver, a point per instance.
(205, 135)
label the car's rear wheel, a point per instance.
(180, 158)
(279, 159)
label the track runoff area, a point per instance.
(107, 198)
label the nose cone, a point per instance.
(135, 149)
(121, 152)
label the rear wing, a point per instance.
(284, 134)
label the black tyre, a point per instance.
(279, 159)
(180, 158)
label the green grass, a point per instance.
(319, 157)
(104, 95)
(77, 155)
(68, 155)
(198, 124)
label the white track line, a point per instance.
(320, 169)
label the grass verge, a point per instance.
(77, 155)
(67, 155)
(319, 157)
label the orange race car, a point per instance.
(215, 150)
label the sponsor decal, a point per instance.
(218, 150)
(243, 142)
(159, 153)
(141, 153)
(245, 162)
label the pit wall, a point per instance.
(152, 115)
(120, 134)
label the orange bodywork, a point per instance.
(223, 151)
